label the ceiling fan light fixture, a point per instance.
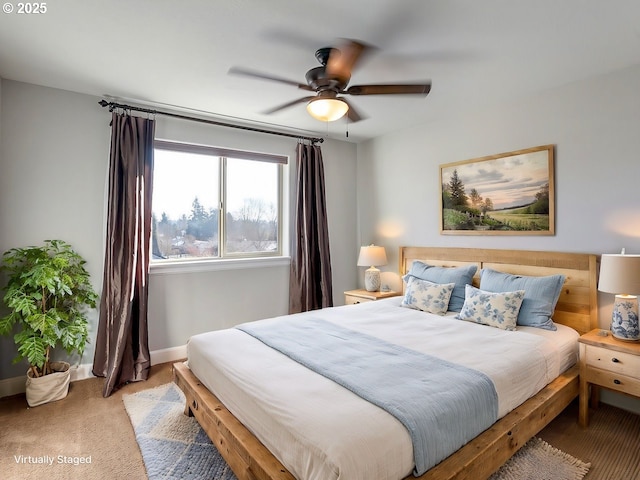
(327, 109)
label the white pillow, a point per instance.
(498, 310)
(427, 296)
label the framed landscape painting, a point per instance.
(506, 194)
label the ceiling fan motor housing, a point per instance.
(318, 79)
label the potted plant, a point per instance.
(48, 294)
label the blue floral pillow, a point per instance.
(498, 310)
(427, 296)
(461, 276)
(539, 301)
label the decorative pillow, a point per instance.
(539, 300)
(427, 296)
(498, 310)
(461, 276)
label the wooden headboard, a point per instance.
(578, 303)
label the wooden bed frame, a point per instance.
(478, 459)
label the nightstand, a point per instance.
(351, 297)
(609, 363)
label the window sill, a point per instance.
(194, 266)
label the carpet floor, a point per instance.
(87, 426)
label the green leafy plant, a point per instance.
(48, 292)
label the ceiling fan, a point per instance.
(330, 80)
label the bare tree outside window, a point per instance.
(255, 227)
(253, 206)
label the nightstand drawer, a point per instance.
(612, 361)
(614, 381)
(352, 300)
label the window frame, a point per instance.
(226, 260)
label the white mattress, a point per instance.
(322, 431)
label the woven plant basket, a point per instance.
(48, 388)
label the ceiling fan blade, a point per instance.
(399, 89)
(352, 114)
(288, 104)
(343, 59)
(266, 76)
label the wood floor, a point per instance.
(87, 425)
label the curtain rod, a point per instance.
(113, 105)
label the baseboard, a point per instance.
(625, 402)
(12, 386)
(16, 385)
(168, 354)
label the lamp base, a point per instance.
(372, 279)
(624, 321)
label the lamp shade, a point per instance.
(327, 109)
(619, 274)
(372, 256)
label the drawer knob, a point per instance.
(615, 360)
(617, 382)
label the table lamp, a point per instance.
(372, 257)
(620, 274)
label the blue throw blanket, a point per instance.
(442, 405)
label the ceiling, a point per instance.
(178, 53)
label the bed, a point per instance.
(321, 417)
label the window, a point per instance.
(210, 202)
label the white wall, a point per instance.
(595, 126)
(54, 150)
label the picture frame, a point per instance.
(510, 193)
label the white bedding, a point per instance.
(322, 431)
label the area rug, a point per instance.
(174, 446)
(537, 460)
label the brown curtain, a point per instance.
(122, 346)
(310, 280)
